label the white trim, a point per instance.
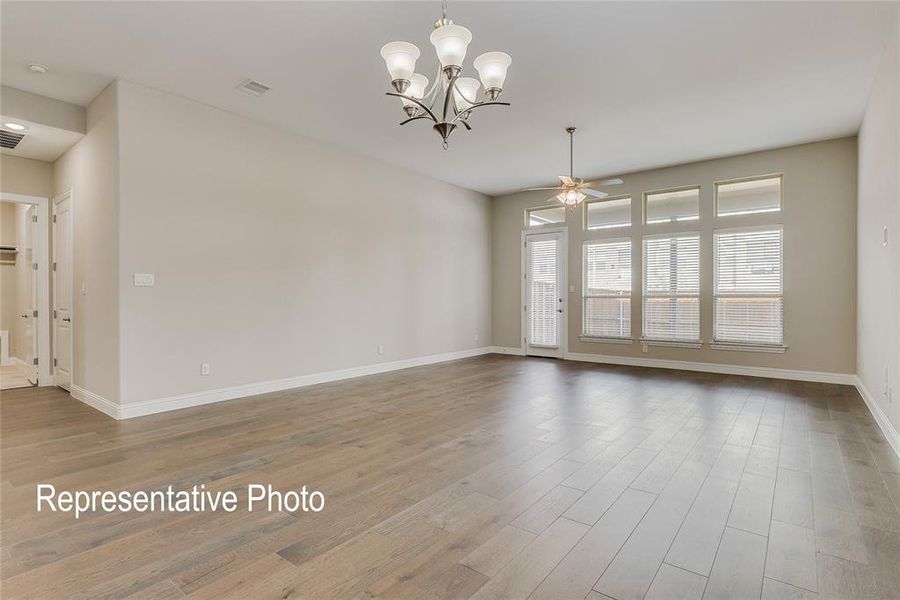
(96, 401)
(672, 343)
(771, 373)
(149, 407)
(884, 423)
(507, 350)
(747, 347)
(4, 348)
(42, 243)
(605, 340)
(70, 258)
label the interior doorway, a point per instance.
(544, 293)
(25, 288)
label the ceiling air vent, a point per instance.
(10, 139)
(254, 88)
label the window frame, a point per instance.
(673, 342)
(683, 188)
(528, 212)
(738, 345)
(629, 197)
(716, 184)
(585, 337)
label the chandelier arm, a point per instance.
(415, 119)
(468, 127)
(411, 99)
(448, 98)
(479, 105)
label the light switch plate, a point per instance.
(144, 280)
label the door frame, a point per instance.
(70, 254)
(564, 291)
(42, 250)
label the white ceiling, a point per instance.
(647, 84)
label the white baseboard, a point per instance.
(93, 400)
(149, 407)
(507, 350)
(884, 423)
(683, 365)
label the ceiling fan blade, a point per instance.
(610, 181)
(566, 180)
(594, 193)
(541, 188)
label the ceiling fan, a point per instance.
(574, 189)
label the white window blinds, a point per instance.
(749, 306)
(672, 287)
(542, 281)
(607, 289)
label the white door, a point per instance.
(62, 292)
(545, 305)
(29, 329)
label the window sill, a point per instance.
(606, 340)
(672, 343)
(747, 347)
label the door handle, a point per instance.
(559, 310)
(67, 320)
(24, 315)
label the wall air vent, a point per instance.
(10, 139)
(254, 88)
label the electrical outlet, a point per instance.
(380, 348)
(204, 368)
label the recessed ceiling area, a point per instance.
(647, 84)
(41, 142)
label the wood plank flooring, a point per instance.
(491, 477)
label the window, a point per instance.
(748, 196)
(607, 289)
(545, 215)
(607, 213)
(748, 302)
(668, 206)
(672, 287)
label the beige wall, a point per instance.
(878, 335)
(90, 169)
(276, 256)
(25, 176)
(819, 256)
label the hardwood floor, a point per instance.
(491, 477)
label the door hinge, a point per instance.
(34, 361)
(34, 218)
(34, 266)
(34, 314)
(54, 313)
(54, 266)
(54, 218)
(54, 362)
(525, 307)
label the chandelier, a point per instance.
(458, 94)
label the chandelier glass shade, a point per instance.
(451, 98)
